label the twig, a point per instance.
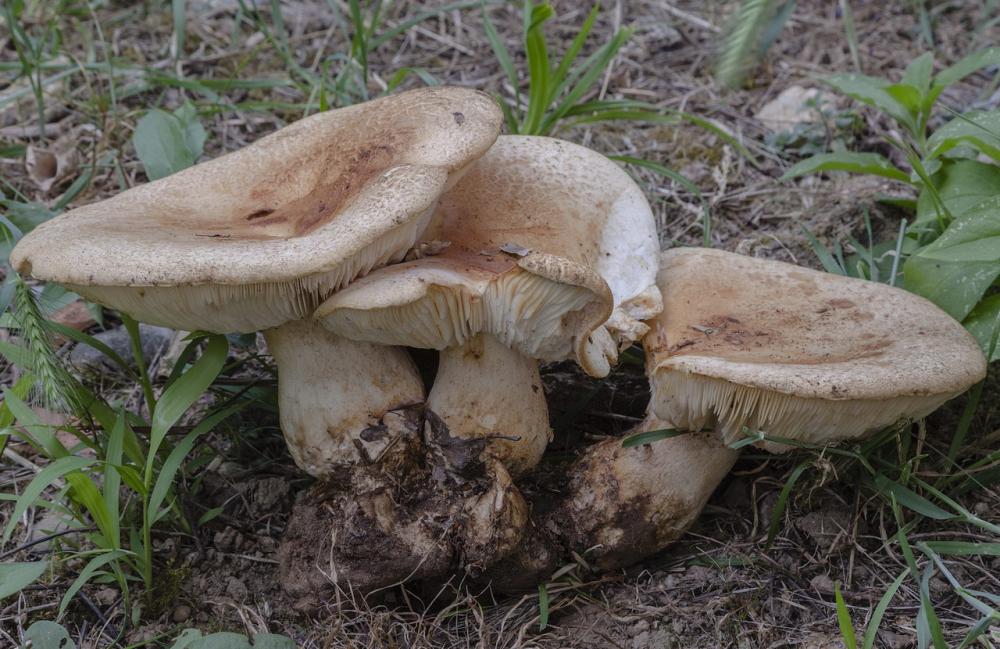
(54, 535)
(691, 18)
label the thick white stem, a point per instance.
(336, 397)
(485, 389)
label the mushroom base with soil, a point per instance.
(367, 529)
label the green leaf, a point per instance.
(982, 323)
(54, 471)
(959, 266)
(962, 186)
(651, 436)
(193, 639)
(161, 142)
(928, 625)
(964, 548)
(908, 96)
(182, 394)
(15, 576)
(918, 72)
(543, 607)
(173, 462)
(194, 133)
(977, 129)
(912, 500)
(782, 503)
(871, 632)
(46, 634)
(860, 163)
(873, 92)
(85, 575)
(965, 67)
(844, 620)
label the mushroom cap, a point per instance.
(795, 352)
(552, 248)
(261, 235)
(551, 196)
(543, 306)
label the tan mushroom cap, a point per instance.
(542, 306)
(553, 197)
(795, 352)
(259, 236)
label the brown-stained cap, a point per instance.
(261, 235)
(551, 247)
(795, 352)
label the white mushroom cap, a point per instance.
(544, 307)
(258, 237)
(551, 196)
(797, 353)
(552, 249)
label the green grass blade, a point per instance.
(507, 65)
(651, 436)
(844, 620)
(51, 473)
(85, 575)
(543, 607)
(539, 70)
(569, 58)
(182, 394)
(165, 479)
(883, 603)
(782, 503)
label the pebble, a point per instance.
(181, 613)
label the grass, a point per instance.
(132, 466)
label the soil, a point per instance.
(725, 584)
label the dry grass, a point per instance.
(720, 587)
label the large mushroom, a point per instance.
(258, 238)
(550, 253)
(745, 346)
(746, 343)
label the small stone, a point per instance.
(236, 589)
(822, 584)
(106, 596)
(87, 359)
(789, 108)
(181, 613)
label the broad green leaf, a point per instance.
(85, 492)
(54, 471)
(26, 216)
(962, 185)
(918, 72)
(908, 96)
(193, 639)
(46, 634)
(194, 133)
(860, 163)
(15, 576)
(86, 574)
(160, 141)
(182, 394)
(983, 321)
(959, 266)
(977, 129)
(872, 91)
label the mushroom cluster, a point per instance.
(409, 222)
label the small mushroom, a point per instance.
(258, 238)
(797, 353)
(552, 255)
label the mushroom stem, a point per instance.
(340, 401)
(484, 389)
(619, 506)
